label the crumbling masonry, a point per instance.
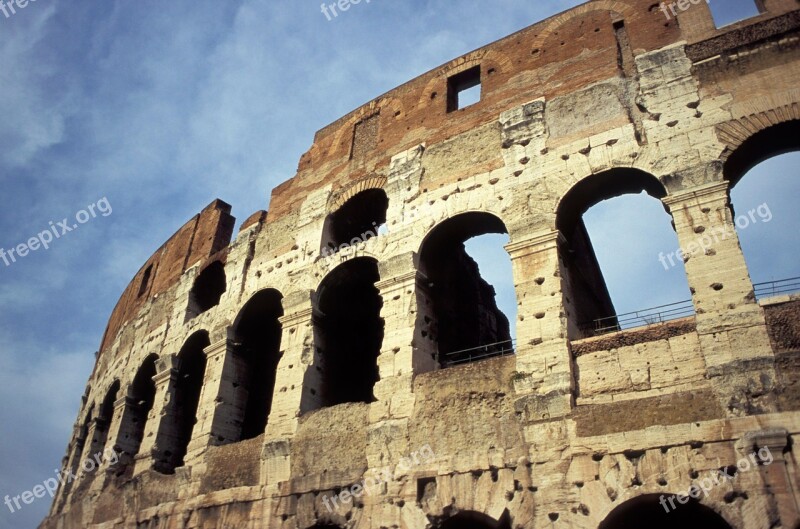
(245, 380)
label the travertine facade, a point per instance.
(309, 373)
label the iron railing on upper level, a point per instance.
(640, 318)
(465, 356)
(777, 288)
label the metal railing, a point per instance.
(640, 318)
(465, 356)
(776, 288)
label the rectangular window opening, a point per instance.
(727, 13)
(145, 281)
(464, 89)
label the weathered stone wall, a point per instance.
(601, 100)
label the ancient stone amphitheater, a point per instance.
(313, 371)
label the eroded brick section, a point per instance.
(783, 323)
(604, 419)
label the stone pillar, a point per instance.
(544, 363)
(295, 383)
(161, 431)
(718, 278)
(776, 475)
(730, 323)
(218, 417)
(120, 431)
(403, 351)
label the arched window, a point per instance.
(458, 319)
(104, 417)
(348, 333)
(356, 221)
(763, 174)
(207, 289)
(621, 256)
(663, 511)
(188, 386)
(258, 339)
(141, 394)
(475, 520)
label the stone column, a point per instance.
(218, 417)
(160, 430)
(544, 363)
(730, 323)
(119, 432)
(295, 383)
(718, 277)
(403, 351)
(768, 444)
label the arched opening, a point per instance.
(207, 290)
(458, 318)
(142, 394)
(104, 418)
(663, 511)
(620, 255)
(78, 450)
(475, 520)
(348, 333)
(257, 346)
(187, 390)
(763, 174)
(356, 221)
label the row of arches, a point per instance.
(642, 511)
(457, 315)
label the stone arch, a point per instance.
(358, 214)
(587, 298)
(456, 309)
(340, 197)
(207, 289)
(176, 432)
(752, 139)
(616, 7)
(257, 341)
(348, 335)
(656, 511)
(473, 520)
(105, 417)
(141, 397)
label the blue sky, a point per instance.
(160, 107)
